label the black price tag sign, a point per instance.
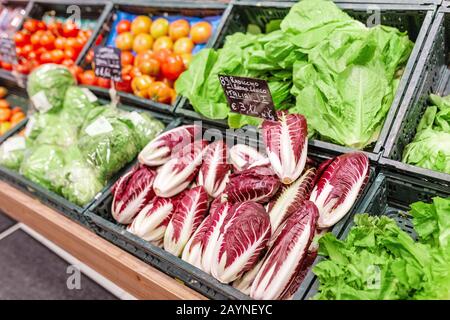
(8, 50)
(107, 63)
(249, 96)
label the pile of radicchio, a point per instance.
(245, 217)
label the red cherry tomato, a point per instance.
(45, 57)
(88, 78)
(76, 71)
(26, 50)
(48, 40)
(104, 83)
(57, 55)
(172, 67)
(55, 27)
(35, 39)
(67, 62)
(70, 29)
(125, 84)
(60, 43)
(41, 25)
(30, 25)
(21, 38)
(161, 55)
(90, 56)
(123, 26)
(70, 53)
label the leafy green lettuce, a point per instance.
(378, 260)
(321, 63)
(430, 147)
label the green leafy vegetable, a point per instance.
(12, 152)
(319, 62)
(378, 260)
(47, 86)
(430, 147)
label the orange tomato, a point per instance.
(70, 53)
(179, 29)
(183, 45)
(126, 58)
(186, 57)
(135, 72)
(35, 38)
(47, 40)
(60, 43)
(30, 25)
(201, 32)
(3, 92)
(76, 71)
(16, 110)
(163, 42)
(67, 62)
(5, 114)
(4, 104)
(124, 41)
(4, 127)
(161, 55)
(88, 78)
(150, 67)
(160, 92)
(159, 28)
(104, 83)
(123, 26)
(142, 42)
(57, 55)
(17, 117)
(142, 56)
(141, 84)
(141, 24)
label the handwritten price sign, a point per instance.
(107, 63)
(248, 96)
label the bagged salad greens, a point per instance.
(74, 147)
(378, 260)
(319, 62)
(430, 147)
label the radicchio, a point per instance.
(162, 148)
(214, 172)
(193, 250)
(175, 175)
(150, 224)
(339, 185)
(190, 212)
(286, 257)
(243, 238)
(243, 157)
(287, 145)
(131, 193)
(290, 198)
(244, 283)
(257, 184)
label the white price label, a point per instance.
(91, 97)
(136, 118)
(99, 126)
(14, 143)
(41, 102)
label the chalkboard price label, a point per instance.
(8, 50)
(107, 63)
(248, 96)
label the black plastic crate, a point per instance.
(391, 194)
(56, 201)
(16, 97)
(102, 222)
(432, 75)
(414, 18)
(155, 8)
(89, 9)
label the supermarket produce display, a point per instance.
(344, 195)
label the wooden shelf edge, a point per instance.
(120, 267)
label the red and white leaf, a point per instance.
(290, 198)
(189, 214)
(243, 157)
(339, 185)
(193, 251)
(175, 175)
(151, 223)
(214, 172)
(131, 193)
(243, 238)
(162, 148)
(287, 145)
(257, 184)
(285, 258)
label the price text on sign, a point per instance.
(248, 96)
(8, 50)
(107, 63)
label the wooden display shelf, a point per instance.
(120, 267)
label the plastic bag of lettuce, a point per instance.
(65, 148)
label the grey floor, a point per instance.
(30, 270)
